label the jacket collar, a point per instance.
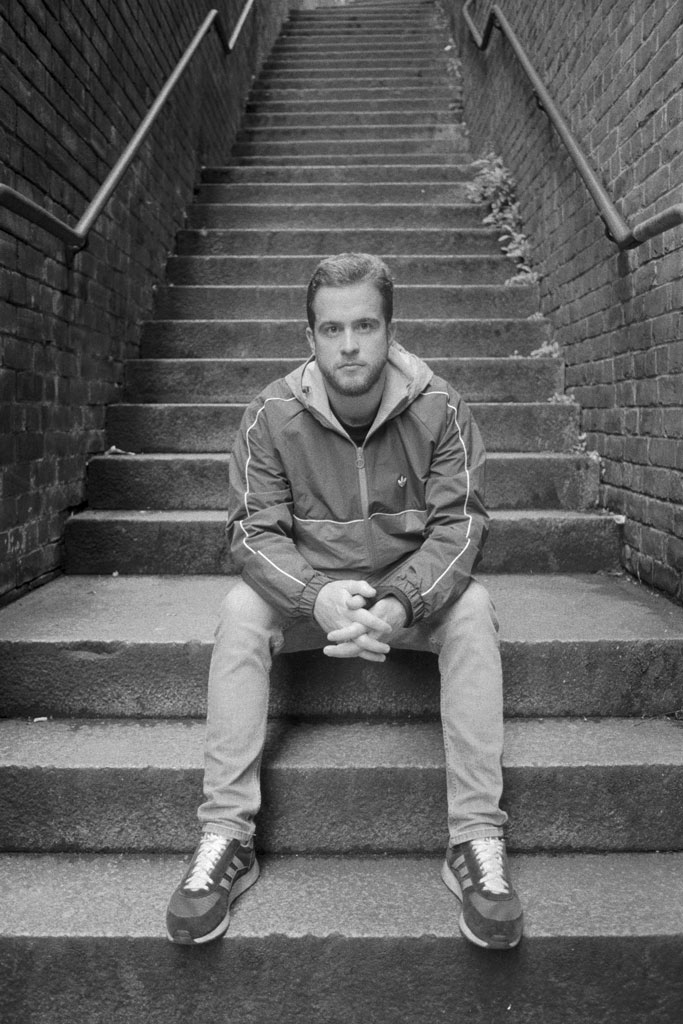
(407, 376)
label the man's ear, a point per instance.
(391, 332)
(310, 338)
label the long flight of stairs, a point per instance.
(350, 141)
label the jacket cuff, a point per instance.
(309, 594)
(402, 588)
(400, 596)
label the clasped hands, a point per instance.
(354, 630)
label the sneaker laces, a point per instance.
(211, 849)
(489, 854)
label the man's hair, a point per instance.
(352, 268)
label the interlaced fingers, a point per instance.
(489, 854)
(209, 853)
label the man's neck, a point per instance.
(357, 410)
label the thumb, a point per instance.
(361, 587)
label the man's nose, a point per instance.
(349, 340)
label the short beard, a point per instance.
(354, 387)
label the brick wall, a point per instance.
(76, 78)
(614, 68)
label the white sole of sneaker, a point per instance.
(240, 886)
(451, 881)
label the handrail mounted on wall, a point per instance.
(76, 237)
(616, 227)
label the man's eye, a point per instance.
(366, 326)
(331, 329)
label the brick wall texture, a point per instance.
(76, 79)
(614, 68)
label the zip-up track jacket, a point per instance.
(404, 510)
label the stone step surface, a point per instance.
(365, 156)
(424, 101)
(429, 338)
(365, 78)
(305, 193)
(371, 173)
(251, 270)
(291, 241)
(297, 120)
(353, 94)
(139, 646)
(379, 47)
(330, 215)
(354, 133)
(107, 785)
(211, 427)
(289, 301)
(153, 542)
(200, 481)
(239, 380)
(337, 940)
(346, 64)
(397, 149)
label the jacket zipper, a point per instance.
(365, 502)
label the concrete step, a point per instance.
(409, 128)
(139, 646)
(211, 427)
(354, 46)
(239, 380)
(274, 301)
(200, 481)
(344, 174)
(108, 785)
(289, 241)
(393, 150)
(296, 194)
(297, 270)
(324, 119)
(202, 339)
(415, 15)
(367, 158)
(331, 80)
(370, 63)
(328, 216)
(292, 101)
(339, 940)
(194, 543)
(348, 94)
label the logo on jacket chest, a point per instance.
(402, 481)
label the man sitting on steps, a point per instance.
(356, 521)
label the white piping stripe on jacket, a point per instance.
(246, 493)
(467, 474)
(350, 522)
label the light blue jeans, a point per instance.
(249, 633)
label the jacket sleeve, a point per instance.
(457, 522)
(260, 521)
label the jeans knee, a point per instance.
(474, 609)
(243, 605)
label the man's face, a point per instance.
(351, 338)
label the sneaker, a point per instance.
(220, 871)
(477, 872)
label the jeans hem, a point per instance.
(227, 832)
(479, 832)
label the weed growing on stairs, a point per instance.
(495, 186)
(547, 350)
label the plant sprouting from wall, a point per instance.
(495, 186)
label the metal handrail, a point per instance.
(617, 229)
(76, 237)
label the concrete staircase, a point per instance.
(350, 140)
